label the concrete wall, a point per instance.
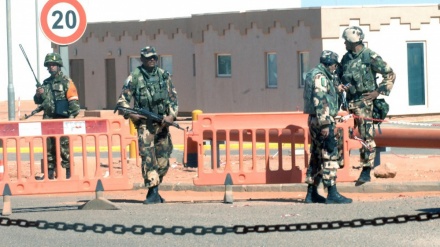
(247, 36)
(387, 31)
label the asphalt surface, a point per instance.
(278, 220)
(399, 221)
(346, 187)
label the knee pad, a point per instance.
(329, 170)
(331, 165)
(330, 156)
(153, 178)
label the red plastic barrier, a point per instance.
(257, 133)
(2, 170)
(96, 140)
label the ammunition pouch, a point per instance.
(380, 110)
(62, 108)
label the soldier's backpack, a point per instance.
(309, 108)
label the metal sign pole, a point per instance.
(11, 91)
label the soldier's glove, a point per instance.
(134, 117)
(167, 119)
(39, 91)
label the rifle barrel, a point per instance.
(25, 56)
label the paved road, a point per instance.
(173, 217)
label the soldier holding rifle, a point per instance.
(58, 98)
(152, 90)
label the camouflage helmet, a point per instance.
(353, 34)
(53, 58)
(328, 58)
(148, 51)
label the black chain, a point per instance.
(218, 230)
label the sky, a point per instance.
(316, 3)
(102, 11)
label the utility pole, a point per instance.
(37, 37)
(11, 92)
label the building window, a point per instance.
(166, 63)
(223, 65)
(271, 70)
(304, 67)
(416, 73)
(134, 62)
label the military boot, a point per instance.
(313, 196)
(51, 173)
(364, 177)
(67, 173)
(161, 198)
(153, 196)
(333, 196)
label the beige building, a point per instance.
(255, 61)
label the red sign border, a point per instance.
(55, 38)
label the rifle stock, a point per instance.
(149, 115)
(37, 110)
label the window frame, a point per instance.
(269, 68)
(130, 63)
(410, 69)
(162, 65)
(218, 55)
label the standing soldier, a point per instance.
(359, 68)
(59, 99)
(152, 90)
(321, 103)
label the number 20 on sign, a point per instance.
(63, 21)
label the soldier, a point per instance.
(152, 89)
(59, 99)
(359, 68)
(321, 103)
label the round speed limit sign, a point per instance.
(63, 21)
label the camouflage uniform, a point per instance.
(359, 70)
(154, 92)
(321, 103)
(324, 109)
(58, 88)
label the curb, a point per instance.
(391, 187)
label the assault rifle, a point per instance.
(146, 114)
(25, 56)
(37, 110)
